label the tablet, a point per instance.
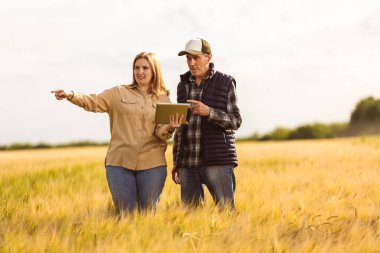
(163, 110)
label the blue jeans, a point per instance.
(129, 187)
(219, 179)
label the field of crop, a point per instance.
(298, 196)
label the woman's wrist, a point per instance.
(170, 129)
(70, 95)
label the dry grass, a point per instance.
(300, 196)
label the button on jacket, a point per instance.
(137, 142)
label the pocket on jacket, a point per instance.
(127, 105)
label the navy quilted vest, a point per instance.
(218, 144)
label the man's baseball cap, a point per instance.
(195, 47)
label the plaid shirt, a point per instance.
(191, 150)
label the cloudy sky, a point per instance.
(295, 61)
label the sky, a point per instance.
(295, 61)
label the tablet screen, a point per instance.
(163, 110)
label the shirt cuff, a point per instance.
(167, 133)
(72, 97)
(212, 115)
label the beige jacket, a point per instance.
(137, 142)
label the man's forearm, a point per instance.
(224, 119)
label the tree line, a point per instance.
(43, 145)
(364, 120)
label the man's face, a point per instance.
(198, 64)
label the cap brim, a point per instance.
(193, 52)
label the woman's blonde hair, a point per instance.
(158, 85)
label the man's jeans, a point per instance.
(219, 179)
(128, 187)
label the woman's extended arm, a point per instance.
(93, 102)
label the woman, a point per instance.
(135, 161)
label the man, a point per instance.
(204, 150)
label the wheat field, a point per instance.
(298, 196)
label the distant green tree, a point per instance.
(315, 131)
(339, 129)
(280, 133)
(318, 131)
(365, 119)
(309, 131)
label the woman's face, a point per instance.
(142, 72)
